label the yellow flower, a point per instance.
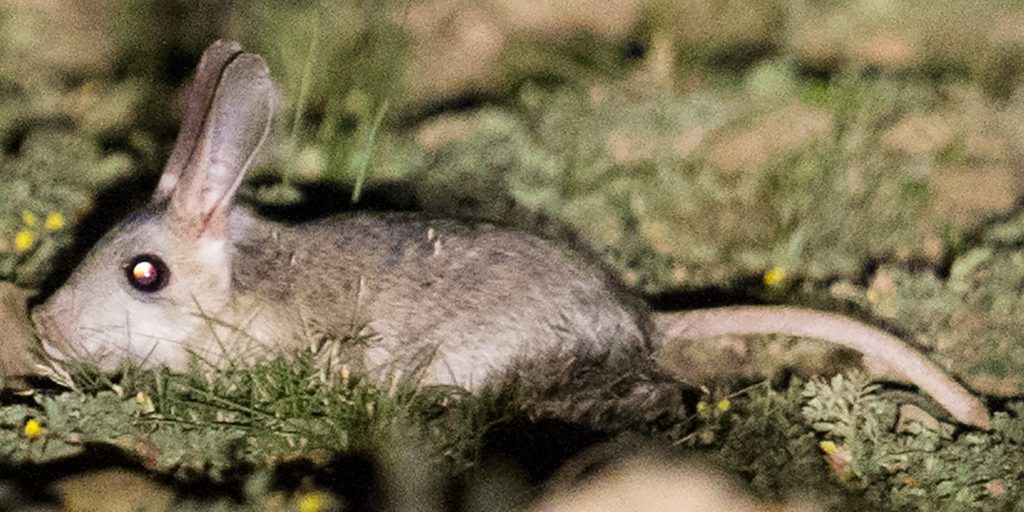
(54, 221)
(828, 447)
(23, 240)
(314, 502)
(33, 428)
(723, 405)
(28, 218)
(145, 403)
(702, 406)
(774, 277)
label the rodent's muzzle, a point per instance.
(51, 338)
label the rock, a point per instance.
(650, 484)
(16, 336)
(114, 490)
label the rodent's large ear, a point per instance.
(197, 104)
(236, 124)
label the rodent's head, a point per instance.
(153, 283)
(139, 296)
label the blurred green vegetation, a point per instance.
(828, 442)
(865, 151)
(692, 145)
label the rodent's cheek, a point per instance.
(67, 333)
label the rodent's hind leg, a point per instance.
(604, 393)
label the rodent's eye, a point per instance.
(147, 273)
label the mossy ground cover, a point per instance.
(859, 156)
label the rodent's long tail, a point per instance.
(907, 362)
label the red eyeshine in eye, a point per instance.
(144, 273)
(147, 273)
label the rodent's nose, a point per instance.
(40, 322)
(48, 334)
(35, 315)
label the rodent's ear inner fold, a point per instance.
(236, 125)
(197, 105)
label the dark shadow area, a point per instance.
(32, 481)
(113, 203)
(974, 236)
(15, 137)
(745, 291)
(355, 478)
(413, 115)
(739, 57)
(537, 448)
(322, 199)
(13, 392)
(821, 71)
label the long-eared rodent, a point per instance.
(451, 302)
